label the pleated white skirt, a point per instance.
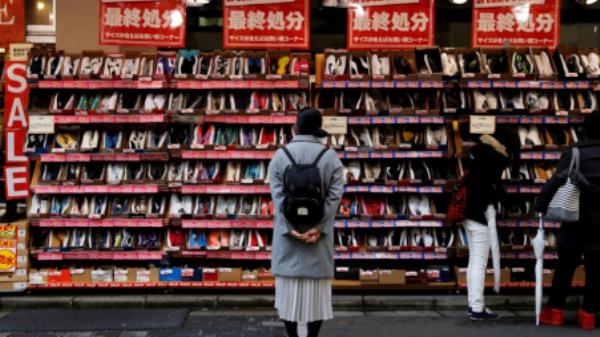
(303, 299)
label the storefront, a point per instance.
(142, 159)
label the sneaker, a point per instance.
(485, 315)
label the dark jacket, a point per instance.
(584, 234)
(484, 186)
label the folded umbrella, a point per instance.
(539, 243)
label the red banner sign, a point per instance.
(391, 24)
(143, 23)
(266, 24)
(16, 122)
(12, 22)
(516, 23)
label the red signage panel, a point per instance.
(266, 24)
(391, 24)
(516, 23)
(143, 23)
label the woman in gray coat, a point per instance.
(303, 263)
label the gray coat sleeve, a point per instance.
(334, 196)
(276, 181)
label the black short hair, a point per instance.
(591, 126)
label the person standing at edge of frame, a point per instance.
(491, 155)
(306, 183)
(577, 239)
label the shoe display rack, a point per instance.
(157, 174)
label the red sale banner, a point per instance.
(516, 23)
(143, 23)
(391, 24)
(12, 22)
(266, 24)
(16, 122)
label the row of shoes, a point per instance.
(416, 206)
(100, 239)
(549, 136)
(190, 172)
(51, 65)
(213, 102)
(562, 100)
(511, 238)
(380, 102)
(392, 137)
(396, 171)
(98, 206)
(219, 239)
(236, 65)
(580, 63)
(99, 140)
(523, 237)
(537, 172)
(200, 136)
(517, 207)
(250, 102)
(191, 63)
(394, 239)
(222, 206)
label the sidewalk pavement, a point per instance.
(252, 301)
(419, 323)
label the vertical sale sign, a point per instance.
(516, 23)
(16, 122)
(391, 24)
(266, 24)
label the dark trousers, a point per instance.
(568, 260)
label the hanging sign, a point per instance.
(143, 23)
(266, 24)
(16, 122)
(516, 23)
(12, 22)
(392, 24)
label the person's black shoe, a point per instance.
(485, 315)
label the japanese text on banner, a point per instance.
(401, 25)
(143, 23)
(528, 25)
(266, 24)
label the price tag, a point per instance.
(335, 125)
(482, 125)
(40, 124)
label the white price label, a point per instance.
(335, 125)
(483, 125)
(41, 124)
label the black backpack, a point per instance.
(304, 200)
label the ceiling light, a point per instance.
(196, 3)
(458, 2)
(586, 2)
(40, 5)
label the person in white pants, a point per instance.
(489, 158)
(481, 238)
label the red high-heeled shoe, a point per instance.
(587, 321)
(551, 316)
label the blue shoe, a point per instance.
(485, 315)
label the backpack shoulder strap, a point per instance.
(289, 155)
(321, 154)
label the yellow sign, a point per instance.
(8, 232)
(8, 260)
(335, 125)
(482, 125)
(19, 51)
